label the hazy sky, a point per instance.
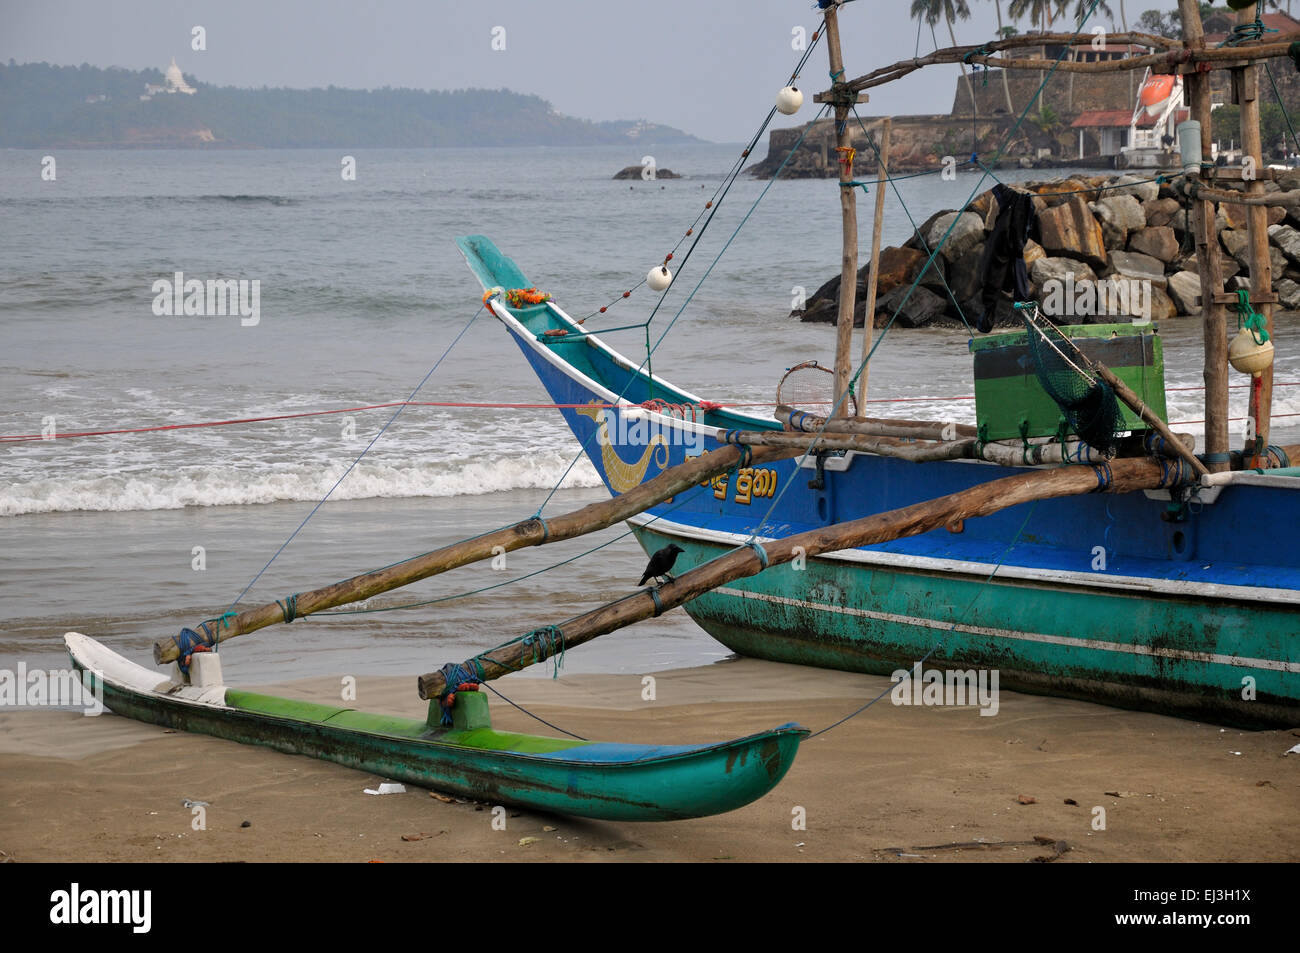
(710, 67)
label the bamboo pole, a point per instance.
(529, 532)
(875, 426)
(1124, 476)
(849, 214)
(873, 273)
(1290, 199)
(1246, 86)
(898, 447)
(1139, 407)
(1207, 258)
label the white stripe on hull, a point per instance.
(1096, 644)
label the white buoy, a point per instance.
(788, 100)
(1249, 356)
(659, 278)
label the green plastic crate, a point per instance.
(1009, 400)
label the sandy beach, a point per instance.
(895, 784)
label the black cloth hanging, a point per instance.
(1002, 266)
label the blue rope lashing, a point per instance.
(746, 455)
(654, 594)
(187, 643)
(1282, 459)
(289, 607)
(454, 675)
(759, 551)
(1104, 477)
(546, 530)
(853, 184)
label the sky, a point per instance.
(710, 67)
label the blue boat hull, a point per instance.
(1133, 599)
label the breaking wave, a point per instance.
(202, 486)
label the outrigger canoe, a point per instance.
(602, 780)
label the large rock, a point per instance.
(897, 266)
(1132, 264)
(1158, 242)
(1118, 215)
(1139, 187)
(923, 308)
(1059, 269)
(964, 275)
(1185, 290)
(1070, 230)
(1288, 294)
(1161, 211)
(1237, 244)
(1286, 238)
(967, 231)
(1162, 307)
(1033, 252)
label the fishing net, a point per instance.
(1088, 403)
(811, 388)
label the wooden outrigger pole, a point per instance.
(1123, 476)
(530, 532)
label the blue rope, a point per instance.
(759, 551)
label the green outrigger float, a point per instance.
(602, 780)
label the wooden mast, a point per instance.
(873, 273)
(1213, 309)
(1245, 89)
(843, 99)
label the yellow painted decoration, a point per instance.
(623, 476)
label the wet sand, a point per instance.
(896, 784)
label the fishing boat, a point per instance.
(466, 757)
(1158, 579)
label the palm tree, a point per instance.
(932, 11)
(1006, 85)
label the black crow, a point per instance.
(660, 563)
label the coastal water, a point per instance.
(362, 290)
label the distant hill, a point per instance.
(44, 106)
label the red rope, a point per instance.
(704, 405)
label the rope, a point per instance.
(930, 259)
(289, 607)
(373, 441)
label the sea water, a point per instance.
(361, 291)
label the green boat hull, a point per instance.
(1227, 663)
(583, 779)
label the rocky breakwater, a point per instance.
(1103, 249)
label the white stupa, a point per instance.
(175, 80)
